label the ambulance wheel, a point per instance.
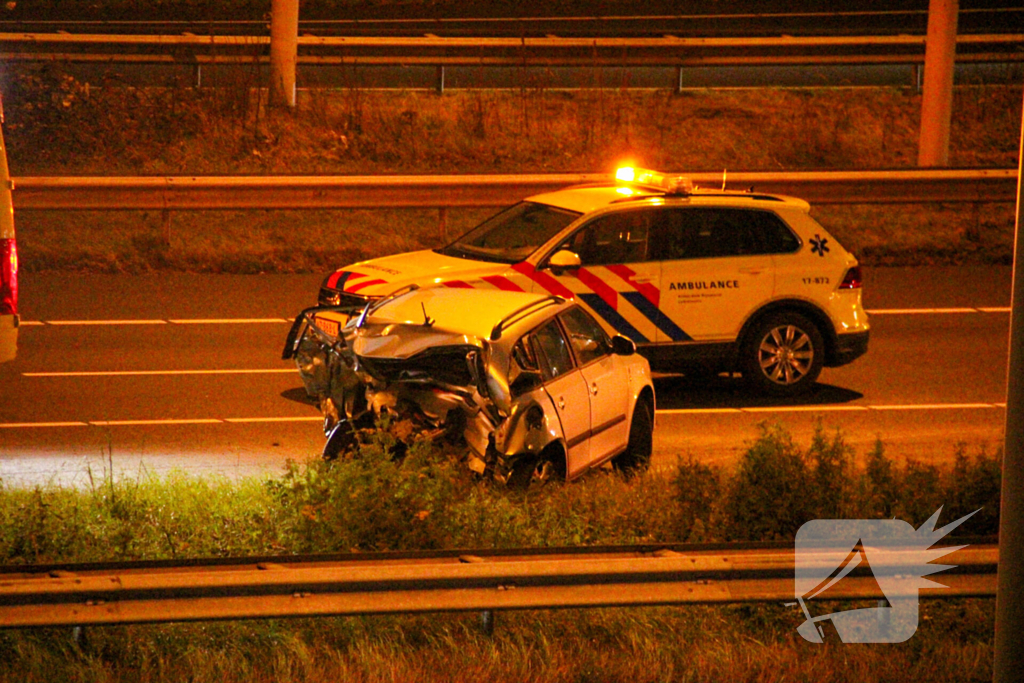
(783, 354)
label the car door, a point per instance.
(568, 391)
(607, 381)
(714, 270)
(618, 282)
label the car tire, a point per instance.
(536, 470)
(783, 354)
(637, 456)
(341, 438)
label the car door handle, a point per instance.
(561, 402)
(752, 271)
(593, 388)
(643, 279)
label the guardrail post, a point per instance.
(1009, 650)
(937, 103)
(165, 226)
(284, 51)
(442, 224)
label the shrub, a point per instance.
(768, 497)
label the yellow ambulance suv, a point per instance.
(703, 281)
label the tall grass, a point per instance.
(427, 499)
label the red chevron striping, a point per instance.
(457, 284)
(366, 283)
(502, 283)
(650, 292)
(599, 287)
(549, 283)
(333, 279)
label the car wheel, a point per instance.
(341, 437)
(783, 355)
(534, 470)
(637, 456)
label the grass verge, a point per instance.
(427, 500)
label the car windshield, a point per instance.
(513, 234)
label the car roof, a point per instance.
(472, 312)
(588, 198)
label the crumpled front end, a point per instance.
(427, 382)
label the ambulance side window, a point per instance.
(617, 238)
(711, 233)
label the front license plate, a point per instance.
(331, 327)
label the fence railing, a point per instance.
(496, 580)
(368, 192)
(506, 51)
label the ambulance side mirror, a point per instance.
(563, 259)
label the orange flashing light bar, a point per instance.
(670, 184)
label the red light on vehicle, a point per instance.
(8, 277)
(852, 279)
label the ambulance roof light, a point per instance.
(642, 177)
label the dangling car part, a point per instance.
(530, 384)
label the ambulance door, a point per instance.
(714, 270)
(617, 282)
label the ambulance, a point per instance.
(704, 281)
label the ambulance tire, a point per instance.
(637, 456)
(783, 354)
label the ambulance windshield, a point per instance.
(513, 234)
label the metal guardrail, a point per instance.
(369, 192)
(380, 585)
(506, 51)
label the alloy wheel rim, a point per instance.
(786, 355)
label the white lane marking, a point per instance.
(936, 406)
(800, 409)
(228, 321)
(106, 322)
(246, 420)
(15, 425)
(914, 311)
(122, 423)
(830, 408)
(669, 411)
(135, 373)
(157, 321)
(257, 321)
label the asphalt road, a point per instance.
(182, 372)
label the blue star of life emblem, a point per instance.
(819, 245)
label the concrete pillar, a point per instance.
(284, 51)
(937, 102)
(1009, 652)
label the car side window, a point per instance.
(616, 238)
(552, 351)
(588, 339)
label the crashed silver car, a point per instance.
(529, 384)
